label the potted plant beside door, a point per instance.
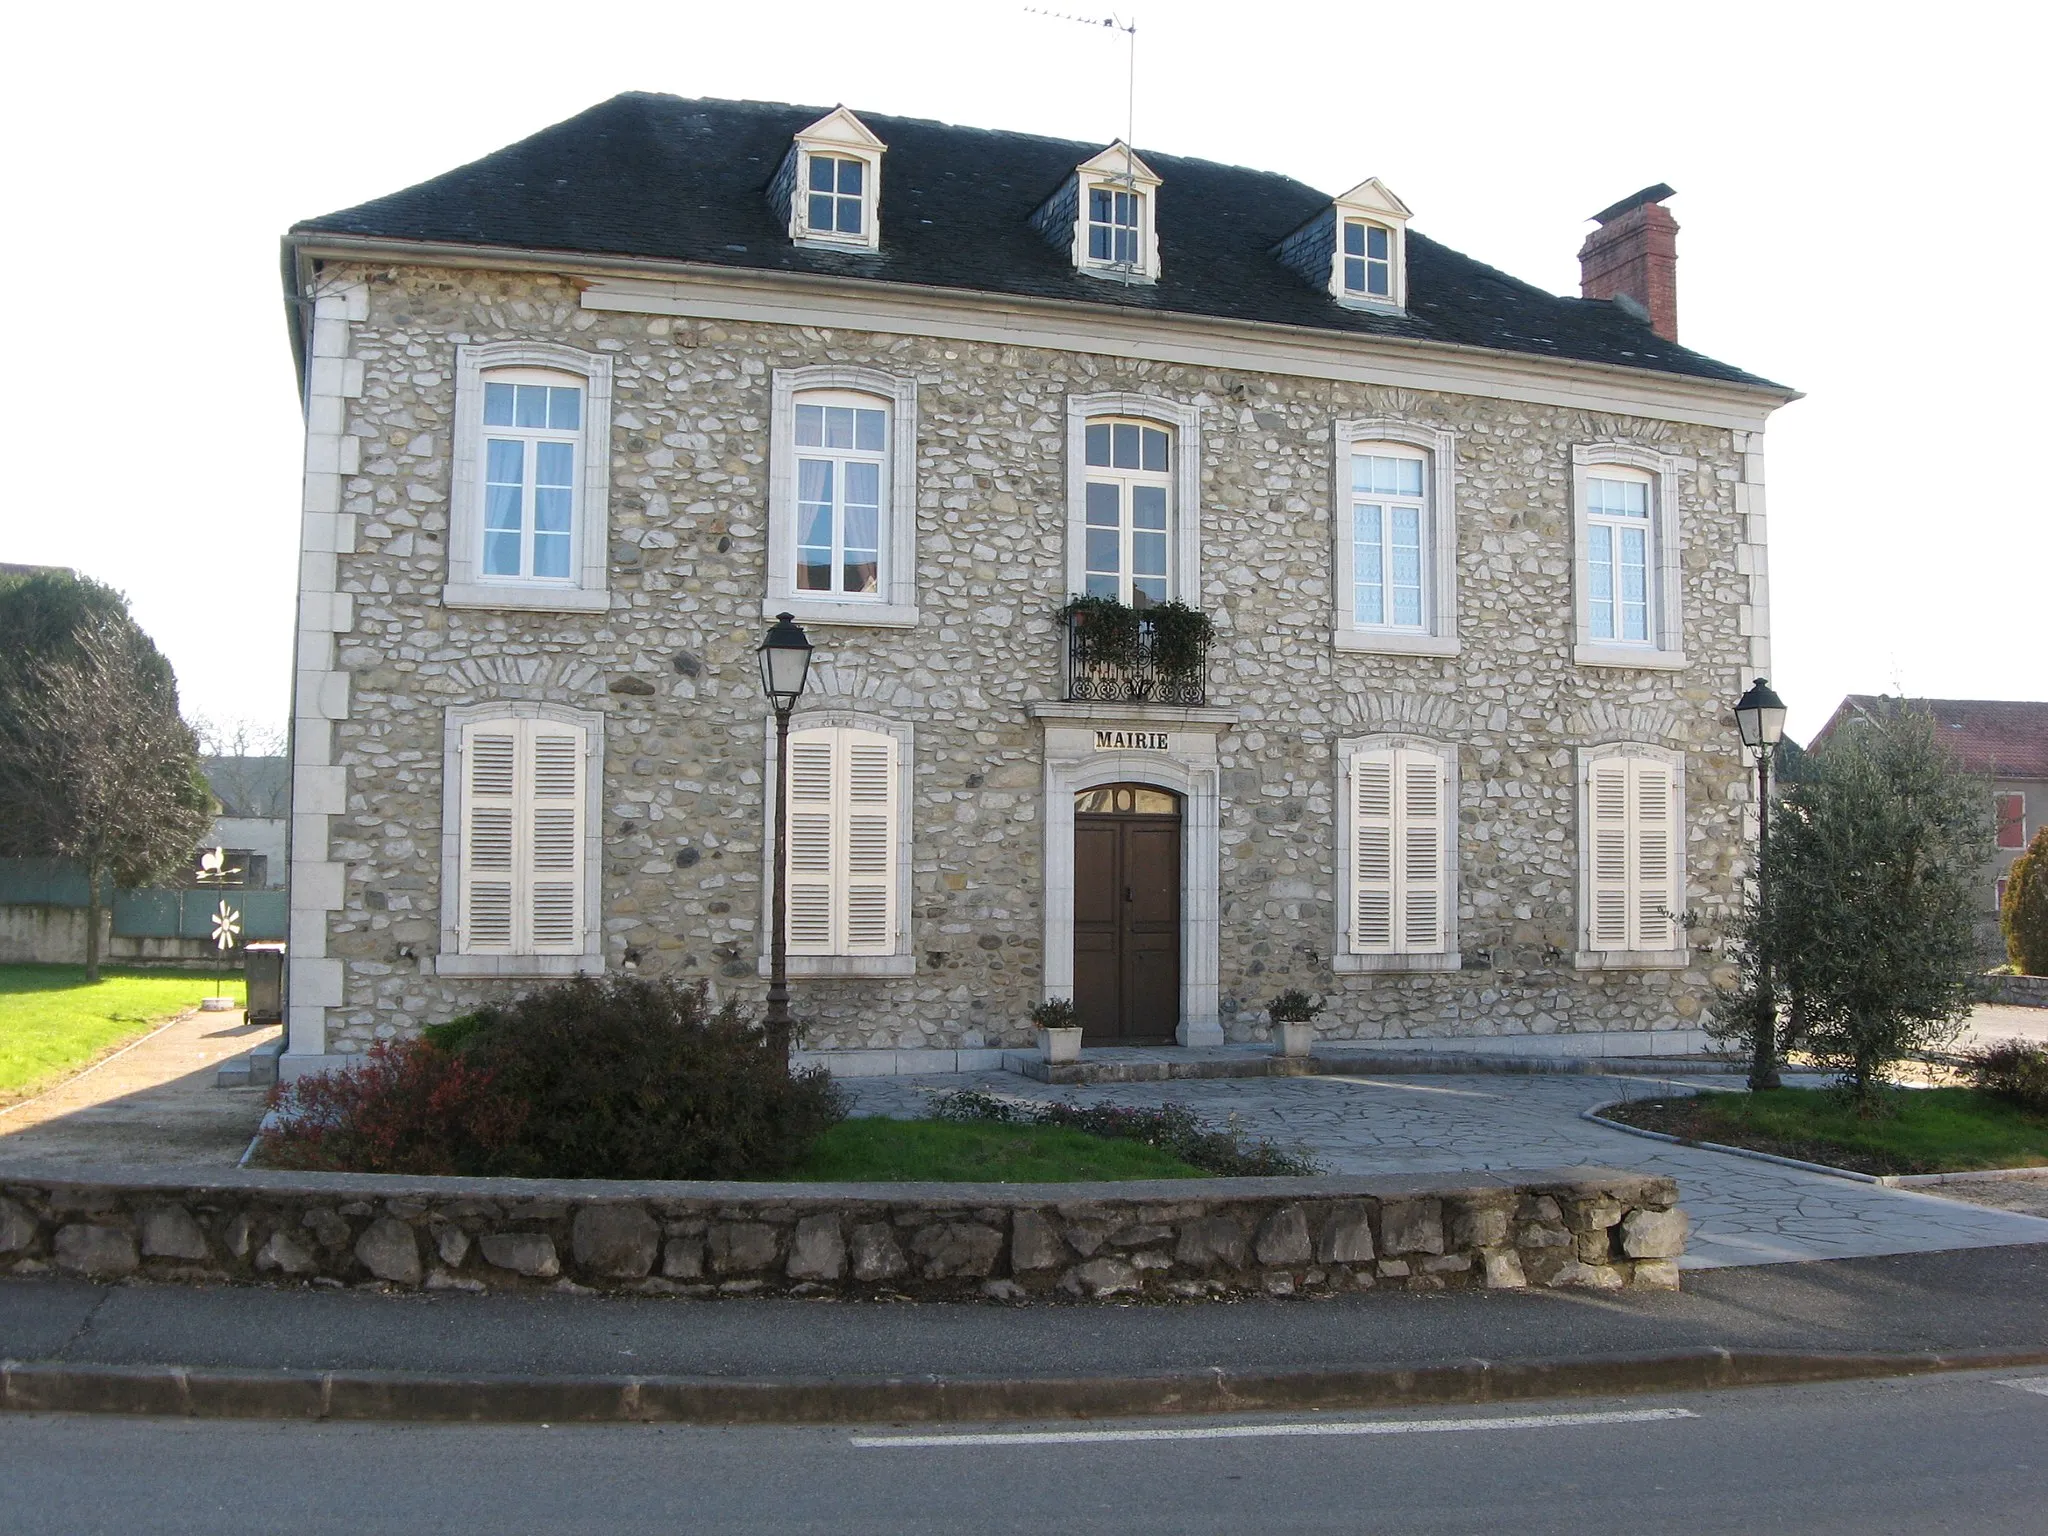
(1059, 1029)
(1293, 1014)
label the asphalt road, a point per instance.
(1945, 1454)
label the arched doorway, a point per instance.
(1127, 917)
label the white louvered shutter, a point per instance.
(1423, 886)
(522, 838)
(1372, 853)
(812, 784)
(1634, 896)
(870, 868)
(842, 843)
(490, 836)
(554, 892)
(1400, 885)
(1654, 900)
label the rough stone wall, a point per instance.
(1588, 1228)
(672, 666)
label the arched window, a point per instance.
(1626, 568)
(527, 521)
(1397, 538)
(842, 472)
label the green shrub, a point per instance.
(1294, 1006)
(620, 1078)
(2013, 1070)
(2024, 917)
(1056, 1013)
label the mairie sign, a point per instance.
(1130, 741)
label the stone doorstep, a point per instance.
(256, 1069)
(1164, 1239)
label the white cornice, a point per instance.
(636, 285)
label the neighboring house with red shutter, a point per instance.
(2005, 740)
(1485, 565)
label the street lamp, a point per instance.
(785, 666)
(1760, 716)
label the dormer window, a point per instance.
(1368, 260)
(1113, 223)
(829, 187)
(1356, 249)
(1106, 218)
(837, 202)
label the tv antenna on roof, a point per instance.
(1129, 28)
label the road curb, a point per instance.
(178, 1391)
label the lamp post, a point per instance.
(785, 666)
(1760, 716)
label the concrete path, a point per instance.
(153, 1103)
(1743, 1211)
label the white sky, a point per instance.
(1858, 199)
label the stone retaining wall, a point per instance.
(1586, 1227)
(2015, 991)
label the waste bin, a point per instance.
(264, 972)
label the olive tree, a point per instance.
(1876, 848)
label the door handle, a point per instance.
(1127, 893)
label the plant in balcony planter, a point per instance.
(1105, 632)
(1180, 640)
(1059, 1029)
(1293, 1014)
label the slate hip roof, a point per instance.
(2000, 738)
(657, 177)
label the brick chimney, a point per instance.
(1632, 258)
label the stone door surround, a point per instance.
(1087, 745)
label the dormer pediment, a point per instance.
(1106, 217)
(1373, 197)
(829, 187)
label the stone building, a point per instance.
(1483, 569)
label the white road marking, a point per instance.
(1271, 1431)
(2029, 1384)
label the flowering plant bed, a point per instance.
(1928, 1130)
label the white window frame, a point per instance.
(1589, 955)
(1392, 260)
(586, 590)
(1183, 424)
(1665, 649)
(451, 961)
(1371, 202)
(1439, 634)
(1344, 959)
(895, 605)
(902, 959)
(842, 136)
(1117, 169)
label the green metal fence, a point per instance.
(146, 914)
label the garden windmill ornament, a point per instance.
(227, 927)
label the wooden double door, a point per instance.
(1127, 914)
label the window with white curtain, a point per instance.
(532, 433)
(1619, 555)
(1390, 533)
(841, 443)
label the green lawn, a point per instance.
(52, 1024)
(897, 1151)
(1934, 1130)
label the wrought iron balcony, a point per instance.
(1119, 655)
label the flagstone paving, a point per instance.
(1743, 1211)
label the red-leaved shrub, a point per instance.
(408, 1107)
